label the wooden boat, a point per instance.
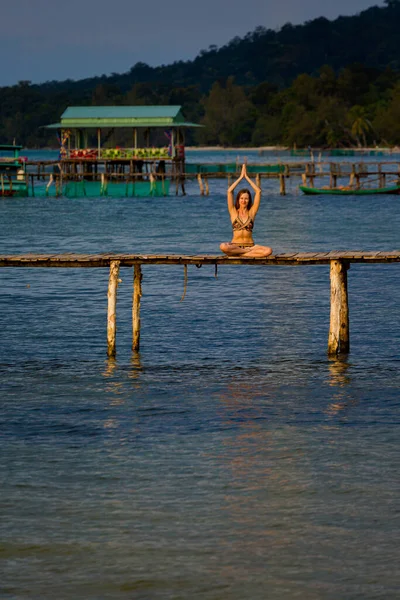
(13, 179)
(353, 191)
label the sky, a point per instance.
(45, 40)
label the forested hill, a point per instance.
(370, 38)
(323, 83)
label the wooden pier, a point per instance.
(339, 261)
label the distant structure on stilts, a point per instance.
(120, 151)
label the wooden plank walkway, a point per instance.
(128, 260)
(339, 261)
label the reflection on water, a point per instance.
(338, 371)
(136, 366)
(340, 379)
(111, 366)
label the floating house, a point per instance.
(13, 178)
(151, 155)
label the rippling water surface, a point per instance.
(230, 459)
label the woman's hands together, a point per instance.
(243, 175)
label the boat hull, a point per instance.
(343, 192)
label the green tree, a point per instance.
(229, 116)
(106, 94)
(360, 125)
(387, 120)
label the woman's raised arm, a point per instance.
(231, 202)
(257, 192)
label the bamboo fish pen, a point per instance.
(327, 175)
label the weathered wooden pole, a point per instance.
(282, 185)
(199, 179)
(381, 183)
(311, 173)
(112, 307)
(339, 330)
(137, 294)
(33, 185)
(357, 176)
(177, 176)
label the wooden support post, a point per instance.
(137, 294)
(199, 179)
(258, 180)
(309, 174)
(339, 330)
(177, 181)
(282, 184)
(172, 143)
(352, 175)
(112, 308)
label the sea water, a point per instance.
(231, 458)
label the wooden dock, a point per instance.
(339, 261)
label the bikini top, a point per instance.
(238, 224)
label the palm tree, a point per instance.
(360, 125)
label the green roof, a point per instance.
(10, 147)
(121, 112)
(76, 117)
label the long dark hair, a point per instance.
(240, 192)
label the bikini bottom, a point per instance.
(244, 246)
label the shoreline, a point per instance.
(236, 149)
(395, 149)
(286, 149)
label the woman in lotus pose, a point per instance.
(242, 213)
